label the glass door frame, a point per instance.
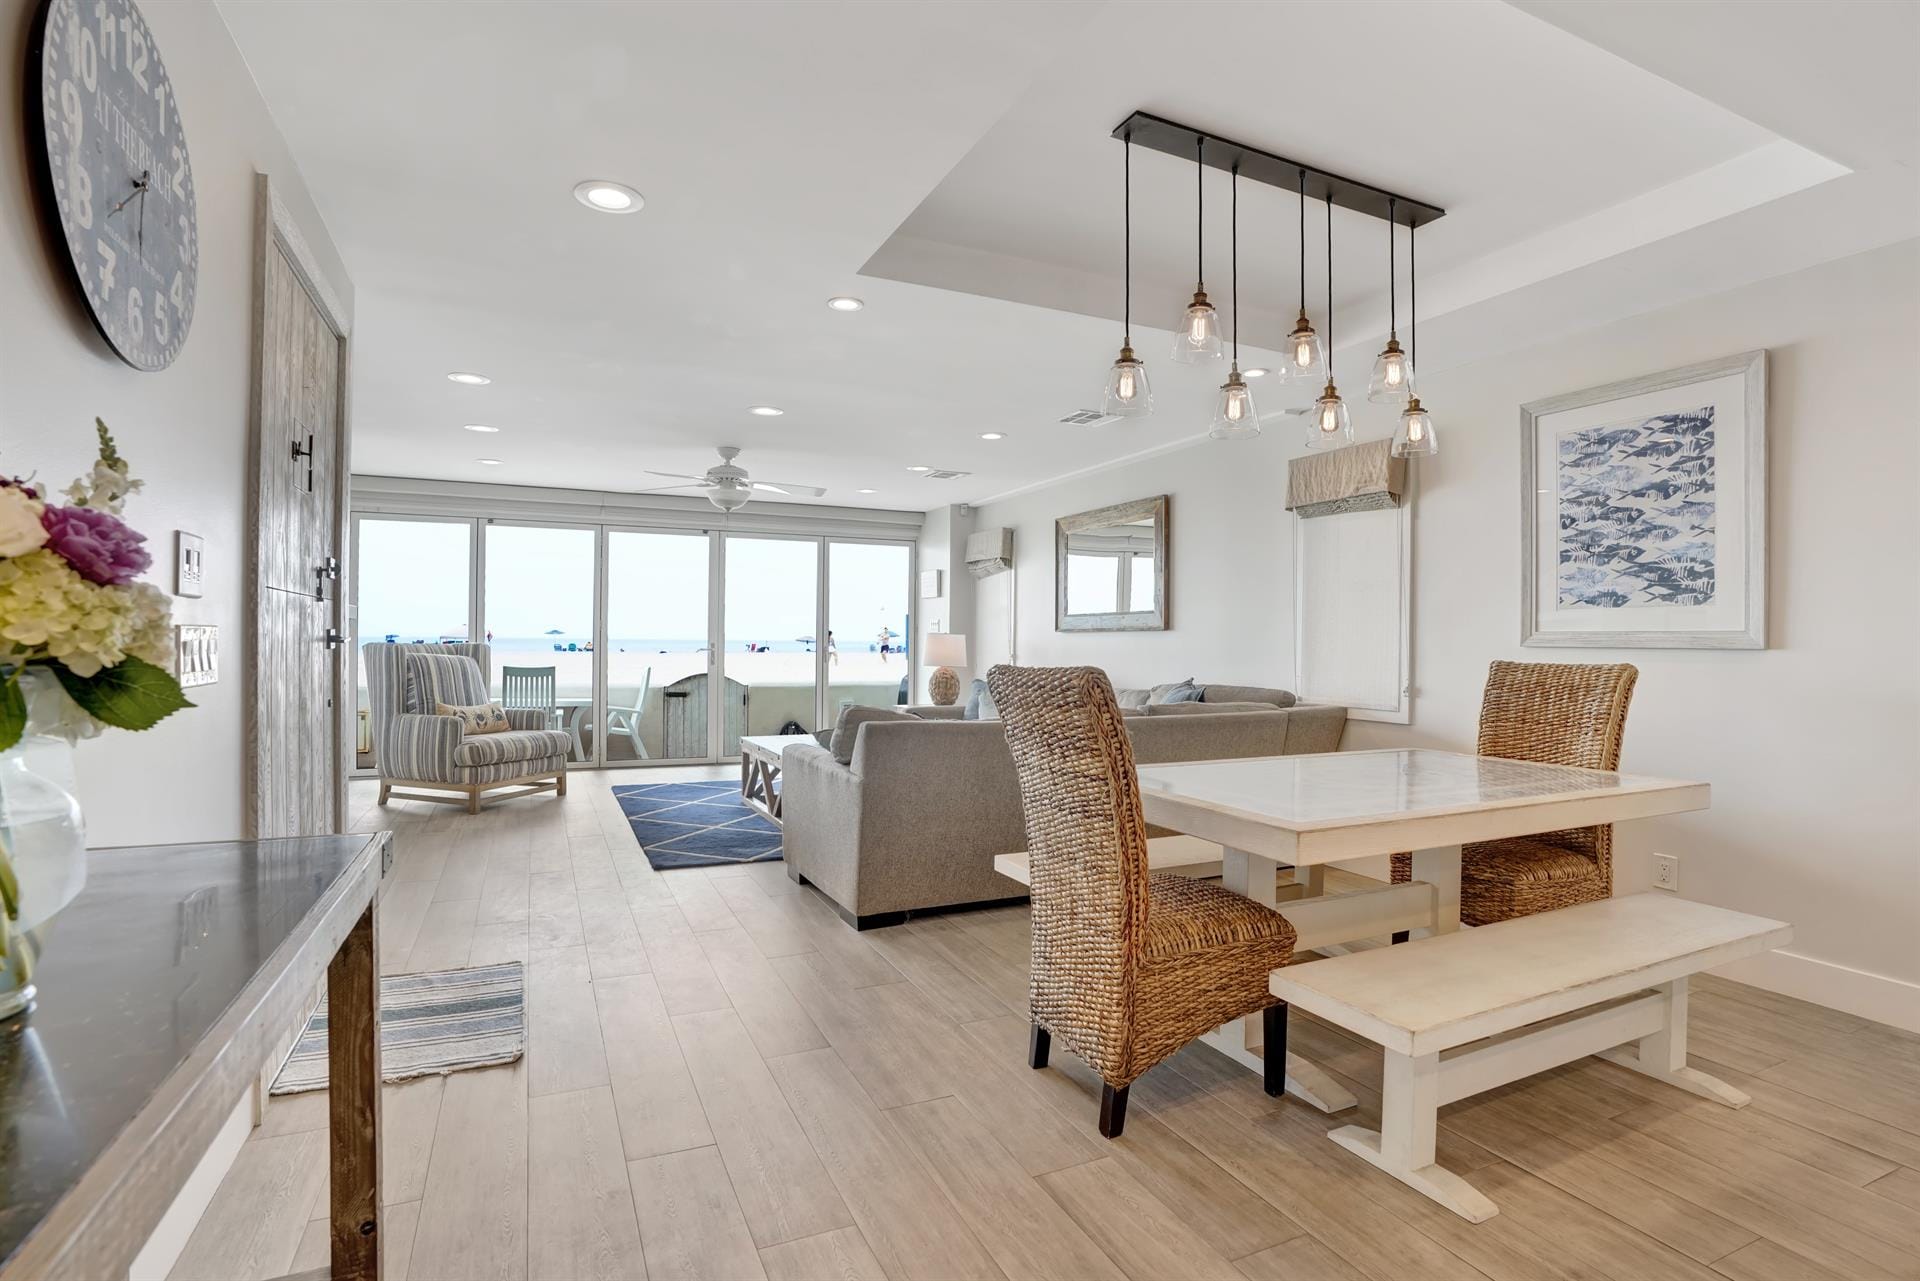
(716, 609)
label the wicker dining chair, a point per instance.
(1556, 714)
(1128, 966)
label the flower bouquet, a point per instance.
(82, 646)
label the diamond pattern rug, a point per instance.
(696, 824)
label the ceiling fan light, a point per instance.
(1415, 439)
(1331, 424)
(1234, 417)
(1129, 394)
(1392, 381)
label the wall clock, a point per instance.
(117, 171)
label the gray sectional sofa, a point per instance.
(913, 819)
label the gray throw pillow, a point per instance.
(1132, 700)
(1183, 694)
(980, 702)
(1163, 693)
(846, 731)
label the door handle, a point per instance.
(305, 452)
(325, 570)
(333, 638)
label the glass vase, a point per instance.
(43, 840)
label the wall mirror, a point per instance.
(1110, 572)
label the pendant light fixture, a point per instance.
(1332, 424)
(1415, 439)
(1305, 356)
(1197, 337)
(1128, 393)
(1233, 416)
(1392, 381)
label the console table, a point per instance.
(165, 988)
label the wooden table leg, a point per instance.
(353, 1102)
(1440, 868)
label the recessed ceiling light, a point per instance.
(1253, 373)
(919, 469)
(844, 303)
(605, 196)
(766, 411)
(865, 491)
(481, 427)
(993, 435)
(488, 462)
(469, 380)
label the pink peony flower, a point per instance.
(97, 544)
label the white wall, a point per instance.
(1230, 552)
(942, 546)
(1812, 746)
(185, 429)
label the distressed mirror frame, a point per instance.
(1154, 620)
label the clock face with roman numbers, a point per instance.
(117, 169)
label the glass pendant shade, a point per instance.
(1305, 356)
(1331, 424)
(1129, 395)
(1234, 417)
(1197, 337)
(1392, 381)
(1415, 438)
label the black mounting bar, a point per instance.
(1276, 171)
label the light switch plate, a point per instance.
(196, 654)
(189, 563)
(929, 584)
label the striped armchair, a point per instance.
(413, 747)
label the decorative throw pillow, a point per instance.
(1183, 694)
(481, 718)
(980, 703)
(1162, 693)
(846, 731)
(1132, 700)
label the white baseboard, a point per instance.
(1879, 997)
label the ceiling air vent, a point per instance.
(1090, 418)
(941, 473)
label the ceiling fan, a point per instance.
(727, 486)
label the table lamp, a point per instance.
(948, 650)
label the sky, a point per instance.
(413, 581)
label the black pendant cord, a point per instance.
(1303, 242)
(1393, 274)
(1233, 222)
(1126, 253)
(1413, 296)
(1200, 217)
(1329, 291)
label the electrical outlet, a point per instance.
(1666, 872)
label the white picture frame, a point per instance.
(1644, 511)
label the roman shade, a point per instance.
(1358, 478)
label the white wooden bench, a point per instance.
(1461, 1013)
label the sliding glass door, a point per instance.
(540, 622)
(659, 659)
(768, 657)
(867, 625)
(645, 646)
(413, 583)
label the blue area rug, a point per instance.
(696, 824)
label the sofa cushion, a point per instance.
(980, 702)
(1248, 694)
(453, 679)
(1205, 709)
(481, 718)
(512, 745)
(846, 730)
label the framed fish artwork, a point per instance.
(1644, 511)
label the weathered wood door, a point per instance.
(299, 454)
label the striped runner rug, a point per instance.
(433, 1023)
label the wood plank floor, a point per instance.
(723, 1081)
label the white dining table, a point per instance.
(1308, 811)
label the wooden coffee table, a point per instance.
(760, 767)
